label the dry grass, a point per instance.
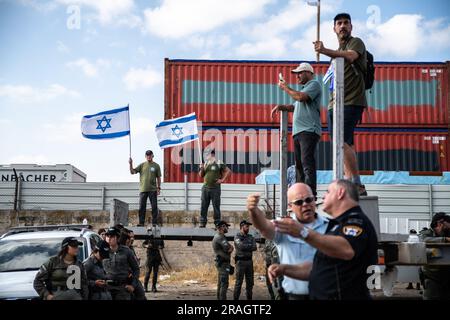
(207, 273)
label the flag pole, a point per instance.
(318, 29)
(129, 127)
(199, 149)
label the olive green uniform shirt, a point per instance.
(149, 172)
(354, 86)
(213, 172)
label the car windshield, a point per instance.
(22, 255)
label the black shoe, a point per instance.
(202, 225)
(140, 224)
(410, 286)
(154, 289)
(146, 289)
(362, 190)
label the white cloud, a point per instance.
(141, 78)
(217, 42)
(293, 15)
(276, 35)
(61, 47)
(29, 94)
(107, 10)
(273, 47)
(65, 130)
(172, 18)
(89, 69)
(405, 35)
(39, 5)
(304, 47)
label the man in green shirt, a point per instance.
(306, 129)
(353, 51)
(150, 186)
(214, 172)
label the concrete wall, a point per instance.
(178, 254)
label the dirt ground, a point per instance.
(190, 290)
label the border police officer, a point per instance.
(436, 280)
(223, 251)
(245, 244)
(120, 262)
(63, 277)
(96, 274)
(153, 262)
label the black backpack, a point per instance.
(369, 76)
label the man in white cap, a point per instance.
(306, 129)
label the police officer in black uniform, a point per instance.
(118, 265)
(96, 274)
(344, 252)
(153, 262)
(245, 244)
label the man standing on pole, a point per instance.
(150, 186)
(353, 50)
(306, 129)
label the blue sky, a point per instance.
(53, 71)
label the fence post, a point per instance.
(283, 162)
(338, 119)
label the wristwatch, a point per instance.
(304, 233)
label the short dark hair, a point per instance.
(101, 230)
(350, 188)
(342, 15)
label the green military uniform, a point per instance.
(435, 279)
(221, 248)
(54, 278)
(245, 244)
(117, 267)
(211, 190)
(149, 172)
(271, 257)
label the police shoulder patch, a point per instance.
(352, 230)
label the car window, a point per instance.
(21, 255)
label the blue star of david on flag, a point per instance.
(98, 126)
(177, 131)
(108, 123)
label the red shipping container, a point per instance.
(247, 151)
(244, 92)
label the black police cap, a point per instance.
(113, 232)
(438, 217)
(71, 241)
(245, 222)
(103, 248)
(222, 223)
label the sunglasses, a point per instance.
(299, 202)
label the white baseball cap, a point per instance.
(304, 66)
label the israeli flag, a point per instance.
(177, 131)
(329, 76)
(107, 124)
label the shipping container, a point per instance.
(249, 150)
(244, 92)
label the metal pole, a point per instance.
(16, 191)
(186, 205)
(338, 119)
(283, 162)
(430, 199)
(318, 29)
(103, 198)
